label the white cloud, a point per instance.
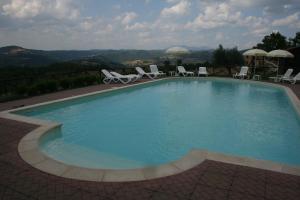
(225, 21)
(180, 8)
(128, 17)
(258, 26)
(291, 20)
(136, 26)
(59, 9)
(215, 15)
(23, 8)
(219, 36)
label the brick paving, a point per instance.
(209, 180)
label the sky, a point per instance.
(144, 24)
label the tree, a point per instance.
(219, 56)
(273, 41)
(167, 63)
(227, 58)
(179, 62)
(295, 42)
(234, 58)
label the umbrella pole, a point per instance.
(254, 66)
(277, 66)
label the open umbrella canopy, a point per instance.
(280, 54)
(177, 51)
(255, 52)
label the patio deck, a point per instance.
(209, 180)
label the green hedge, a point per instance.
(51, 85)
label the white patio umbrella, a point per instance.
(280, 54)
(177, 52)
(255, 53)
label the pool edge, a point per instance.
(28, 149)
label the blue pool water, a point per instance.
(160, 122)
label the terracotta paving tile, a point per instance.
(181, 188)
(208, 193)
(252, 173)
(223, 168)
(217, 180)
(132, 193)
(275, 192)
(283, 180)
(163, 196)
(153, 185)
(241, 196)
(10, 194)
(108, 190)
(249, 186)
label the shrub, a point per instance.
(22, 90)
(85, 80)
(47, 86)
(91, 79)
(33, 90)
(66, 83)
(78, 81)
(43, 87)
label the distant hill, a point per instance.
(19, 56)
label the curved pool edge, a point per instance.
(28, 149)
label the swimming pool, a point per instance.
(159, 122)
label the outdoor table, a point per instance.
(172, 73)
(256, 77)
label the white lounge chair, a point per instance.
(294, 79)
(143, 73)
(132, 77)
(202, 71)
(154, 70)
(182, 71)
(287, 75)
(243, 73)
(109, 77)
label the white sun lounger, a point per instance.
(154, 70)
(243, 73)
(109, 77)
(294, 79)
(181, 70)
(143, 73)
(132, 77)
(286, 76)
(202, 71)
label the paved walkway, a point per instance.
(209, 180)
(58, 95)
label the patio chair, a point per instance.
(286, 75)
(109, 77)
(294, 79)
(142, 73)
(202, 71)
(132, 77)
(182, 71)
(243, 73)
(154, 70)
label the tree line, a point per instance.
(230, 58)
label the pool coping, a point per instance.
(28, 148)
